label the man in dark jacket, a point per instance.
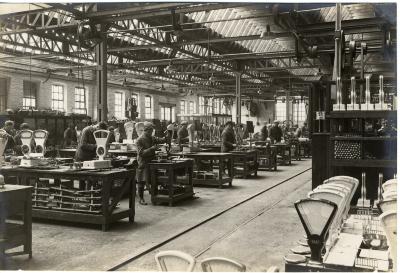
(9, 128)
(276, 132)
(228, 138)
(146, 147)
(264, 132)
(183, 134)
(70, 136)
(87, 145)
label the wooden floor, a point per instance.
(250, 231)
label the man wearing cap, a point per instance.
(9, 128)
(183, 133)
(264, 132)
(276, 132)
(228, 138)
(70, 135)
(146, 147)
(87, 144)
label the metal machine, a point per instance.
(101, 137)
(30, 159)
(40, 138)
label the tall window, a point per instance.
(223, 107)
(57, 97)
(183, 107)
(280, 110)
(3, 95)
(299, 113)
(118, 105)
(191, 107)
(209, 105)
(136, 98)
(148, 111)
(173, 115)
(168, 113)
(80, 101)
(30, 92)
(201, 105)
(217, 105)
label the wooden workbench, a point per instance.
(129, 153)
(67, 152)
(267, 157)
(245, 162)
(221, 178)
(284, 153)
(213, 148)
(15, 203)
(165, 174)
(305, 147)
(56, 195)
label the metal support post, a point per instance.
(287, 106)
(238, 99)
(101, 80)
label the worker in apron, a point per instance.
(228, 141)
(146, 152)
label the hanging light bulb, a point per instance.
(171, 67)
(267, 34)
(70, 73)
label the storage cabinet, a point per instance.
(15, 220)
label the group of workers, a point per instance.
(146, 142)
(277, 131)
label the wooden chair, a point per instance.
(173, 260)
(218, 264)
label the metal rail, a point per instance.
(170, 239)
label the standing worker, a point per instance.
(264, 132)
(70, 136)
(87, 145)
(9, 128)
(146, 149)
(228, 138)
(228, 141)
(276, 132)
(183, 133)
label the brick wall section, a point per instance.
(15, 94)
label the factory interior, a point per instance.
(198, 136)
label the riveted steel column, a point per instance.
(238, 99)
(101, 80)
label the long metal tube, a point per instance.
(238, 99)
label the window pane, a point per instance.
(29, 94)
(136, 98)
(191, 108)
(280, 111)
(118, 105)
(173, 114)
(148, 111)
(183, 107)
(57, 97)
(80, 100)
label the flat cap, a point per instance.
(148, 125)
